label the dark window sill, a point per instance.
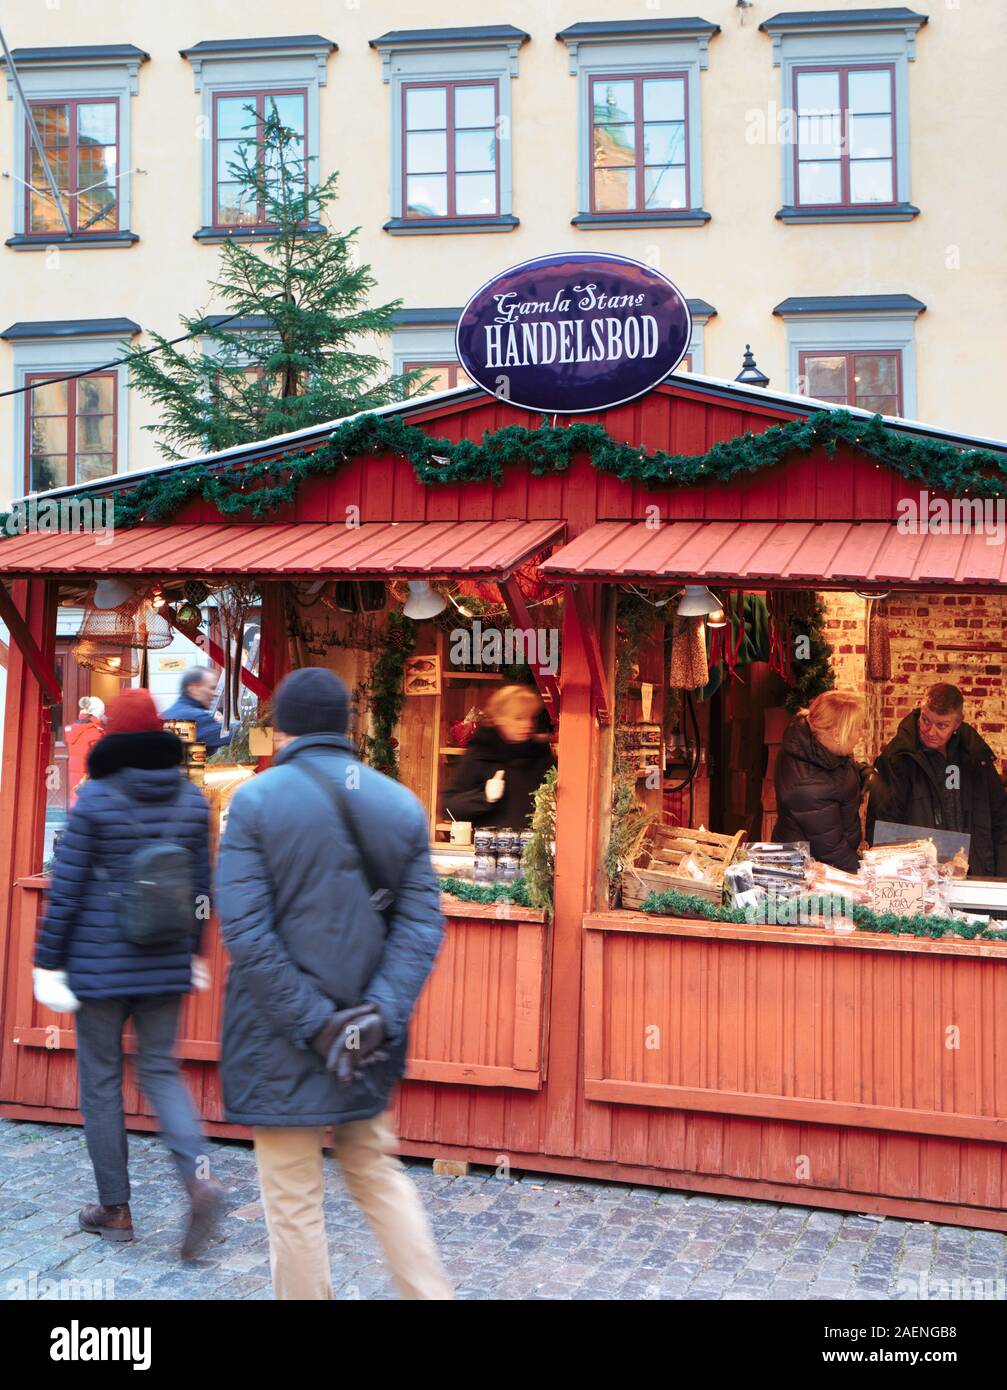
(80, 241)
(687, 217)
(214, 236)
(899, 212)
(439, 226)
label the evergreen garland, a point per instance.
(516, 892)
(537, 861)
(672, 903)
(256, 489)
(814, 675)
(385, 692)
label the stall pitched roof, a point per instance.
(837, 554)
(288, 550)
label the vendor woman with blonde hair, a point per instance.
(504, 763)
(818, 784)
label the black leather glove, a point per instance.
(351, 1041)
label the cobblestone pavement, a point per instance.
(525, 1237)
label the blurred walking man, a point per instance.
(330, 909)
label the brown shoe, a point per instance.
(111, 1223)
(207, 1197)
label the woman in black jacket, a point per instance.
(504, 762)
(84, 961)
(818, 783)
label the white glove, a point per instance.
(495, 786)
(52, 990)
(200, 975)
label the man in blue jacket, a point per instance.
(195, 696)
(324, 978)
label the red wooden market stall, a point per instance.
(790, 1063)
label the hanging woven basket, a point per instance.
(108, 661)
(136, 623)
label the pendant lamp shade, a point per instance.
(423, 601)
(112, 593)
(698, 601)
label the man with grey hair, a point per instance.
(196, 695)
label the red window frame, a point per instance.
(71, 423)
(638, 80)
(259, 95)
(450, 87)
(449, 364)
(851, 355)
(73, 103)
(843, 71)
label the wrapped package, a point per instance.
(700, 867)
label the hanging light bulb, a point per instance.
(157, 598)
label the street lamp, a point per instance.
(750, 374)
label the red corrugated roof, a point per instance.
(836, 553)
(487, 549)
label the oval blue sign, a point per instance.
(573, 332)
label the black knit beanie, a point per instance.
(311, 701)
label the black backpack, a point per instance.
(156, 903)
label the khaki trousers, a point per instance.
(293, 1190)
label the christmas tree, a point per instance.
(309, 358)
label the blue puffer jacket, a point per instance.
(295, 913)
(80, 933)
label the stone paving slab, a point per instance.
(525, 1236)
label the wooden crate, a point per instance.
(669, 846)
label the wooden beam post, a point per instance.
(592, 649)
(41, 669)
(546, 681)
(248, 678)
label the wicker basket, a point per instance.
(669, 846)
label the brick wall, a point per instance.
(925, 628)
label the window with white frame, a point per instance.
(423, 341)
(845, 97)
(79, 103)
(450, 93)
(70, 410)
(857, 350)
(638, 100)
(240, 83)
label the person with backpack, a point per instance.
(330, 909)
(128, 899)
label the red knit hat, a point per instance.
(133, 712)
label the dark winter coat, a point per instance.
(818, 798)
(208, 729)
(524, 765)
(80, 932)
(905, 789)
(295, 912)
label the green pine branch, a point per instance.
(316, 361)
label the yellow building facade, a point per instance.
(821, 182)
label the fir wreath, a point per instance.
(256, 489)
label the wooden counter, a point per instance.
(882, 1032)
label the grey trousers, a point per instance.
(99, 1066)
